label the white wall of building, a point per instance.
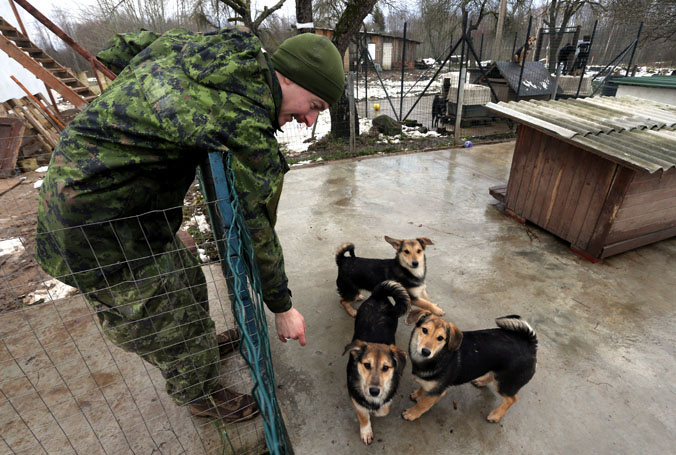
(659, 95)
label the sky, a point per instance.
(8, 67)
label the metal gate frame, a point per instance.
(239, 267)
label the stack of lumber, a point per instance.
(41, 133)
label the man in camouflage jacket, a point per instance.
(110, 205)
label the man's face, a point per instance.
(299, 103)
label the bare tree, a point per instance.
(558, 16)
(242, 10)
(347, 26)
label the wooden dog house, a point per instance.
(599, 173)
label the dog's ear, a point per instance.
(356, 348)
(396, 244)
(399, 358)
(454, 337)
(424, 241)
(416, 316)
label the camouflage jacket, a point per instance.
(124, 164)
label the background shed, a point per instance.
(536, 82)
(385, 49)
(597, 172)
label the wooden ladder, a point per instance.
(44, 67)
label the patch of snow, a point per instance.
(203, 255)
(414, 132)
(54, 290)
(200, 222)
(11, 246)
(38, 183)
(42, 169)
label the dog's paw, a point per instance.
(438, 311)
(494, 417)
(414, 395)
(367, 437)
(409, 415)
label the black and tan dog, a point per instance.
(376, 363)
(407, 267)
(521, 54)
(443, 356)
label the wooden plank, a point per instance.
(621, 233)
(555, 186)
(651, 182)
(613, 201)
(635, 242)
(35, 123)
(646, 220)
(530, 170)
(581, 207)
(541, 163)
(551, 180)
(648, 197)
(643, 210)
(516, 169)
(498, 192)
(541, 182)
(607, 170)
(27, 107)
(41, 73)
(11, 135)
(569, 171)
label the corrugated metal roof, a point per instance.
(636, 132)
(536, 79)
(652, 81)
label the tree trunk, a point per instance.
(347, 26)
(304, 15)
(340, 118)
(554, 42)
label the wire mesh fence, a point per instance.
(68, 381)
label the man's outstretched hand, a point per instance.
(290, 326)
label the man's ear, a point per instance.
(396, 244)
(416, 316)
(283, 80)
(454, 337)
(356, 348)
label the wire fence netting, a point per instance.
(68, 381)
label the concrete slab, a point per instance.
(606, 331)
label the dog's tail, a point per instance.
(344, 248)
(390, 288)
(514, 323)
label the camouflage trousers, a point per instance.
(160, 311)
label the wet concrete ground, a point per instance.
(604, 381)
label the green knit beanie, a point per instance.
(314, 63)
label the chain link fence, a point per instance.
(66, 388)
